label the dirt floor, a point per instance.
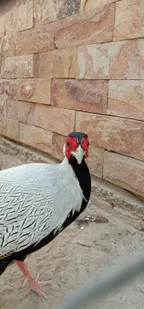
(81, 252)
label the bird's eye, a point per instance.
(68, 144)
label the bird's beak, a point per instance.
(78, 154)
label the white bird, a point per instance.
(38, 201)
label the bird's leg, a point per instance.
(34, 284)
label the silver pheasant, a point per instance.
(37, 201)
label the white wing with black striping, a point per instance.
(35, 199)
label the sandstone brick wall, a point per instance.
(76, 64)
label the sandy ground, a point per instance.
(81, 252)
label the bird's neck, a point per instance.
(82, 174)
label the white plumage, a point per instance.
(35, 199)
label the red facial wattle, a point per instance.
(85, 146)
(72, 144)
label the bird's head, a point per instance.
(76, 146)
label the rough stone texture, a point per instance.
(1, 59)
(95, 161)
(45, 10)
(87, 5)
(35, 90)
(2, 99)
(12, 154)
(115, 60)
(125, 172)
(35, 40)
(112, 133)
(17, 18)
(9, 128)
(36, 137)
(126, 98)
(2, 107)
(26, 112)
(86, 28)
(56, 120)
(2, 28)
(90, 96)
(12, 109)
(11, 88)
(49, 10)
(2, 89)
(18, 67)
(5, 23)
(115, 197)
(64, 63)
(8, 18)
(6, 7)
(8, 44)
(58, 142)
(31, 90)
(46, 64)
(67, 7)
(129, 20)
(23, 15)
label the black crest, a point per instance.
(78, 135)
